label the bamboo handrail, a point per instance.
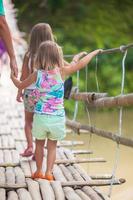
(122, 48)
(102, 101)
(119, 139)
(93, 183)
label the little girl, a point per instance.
(39, 33)
(49, 117)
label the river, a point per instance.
(106, 148)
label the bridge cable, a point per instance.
(117, 151)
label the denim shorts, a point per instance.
(48, 126)
(28, 106)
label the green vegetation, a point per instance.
(87, 25)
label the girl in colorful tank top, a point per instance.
(49, 117)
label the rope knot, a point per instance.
(122, 48)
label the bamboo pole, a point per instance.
(13, 186)
(92, 183)
(101, 176)
(80, 160)
(119, 139)
(91, 193)
(10, 175)
(82, 151)
(87, 96)
(104, 197)
(109, 102)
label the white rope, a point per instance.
(117, 153)
(75, 109)
(96, 77)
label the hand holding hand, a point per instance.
(14, 67)
(19, 96)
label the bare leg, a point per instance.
(28, 128)
(39, 152)
(51, 156)
(28, 133)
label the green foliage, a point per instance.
(87, 25)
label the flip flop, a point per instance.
(49, 177)
(38, 175)
(27, 153)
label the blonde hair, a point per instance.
(49, 55)
(39, 33)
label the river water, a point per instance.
(106, 148)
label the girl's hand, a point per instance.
(78, 56)
(12, 75)
(19, 96)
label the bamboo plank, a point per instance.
(10, 176)
(46, 190)
(104, 197)
(26, 168)
(7, 156)
(1, 156)
(82, 195)
(70, 194)
(66, 173)
(11, 141)
(80, 160)
(24, 194)
(12, 195)
(12, 186)
(76, 175)
(58, 191)
(91, 193)
(33, 188)
(2, 175)
(19, 175)
(15, 156)
(2, 194)
(58, 175)
(82, 172)
(4, 141)
(115, 137)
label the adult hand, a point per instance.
(13, 65)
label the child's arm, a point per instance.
(70, 69)
(23, 84)
(24, 75)
(75, 58)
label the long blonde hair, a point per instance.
(49, 55)
(39, 33)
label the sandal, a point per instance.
(28, 152)
(49, 177)
(38, 175)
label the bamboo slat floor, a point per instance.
(71, 181)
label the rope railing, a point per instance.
(122, 48)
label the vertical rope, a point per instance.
(117, 153)
(75, 109)
(96, 77)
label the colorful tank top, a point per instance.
(50, 89)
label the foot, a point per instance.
(28, 152)
(38, 175)
(49, 177)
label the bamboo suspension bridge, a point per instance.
(72, 182)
